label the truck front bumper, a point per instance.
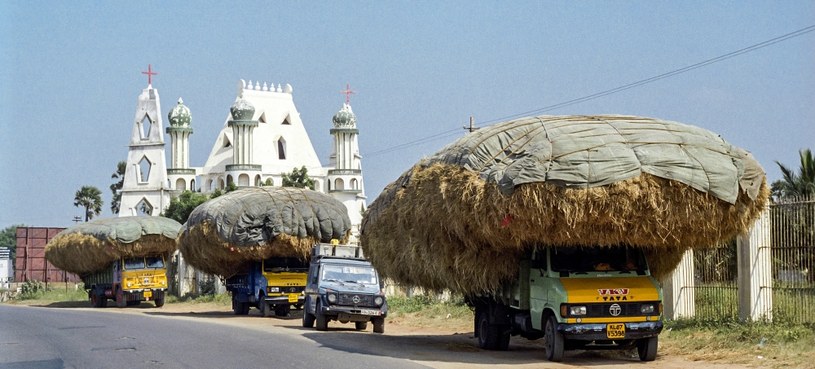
(599, 331)
(293, 299)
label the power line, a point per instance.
(628, 86)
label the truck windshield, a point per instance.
(276, 265)
(155, 262)
(597, 259)
(134, 263)
(352, 274)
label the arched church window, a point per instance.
(144, 208)
(354, 184)
(144, 127)
(339, 185)
(243, 180)
(192, 185)
(281, 148)
(257, 180)
(221, 183)
(229, 180)
(180, 184)
(144, 169)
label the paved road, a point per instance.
(46, 338)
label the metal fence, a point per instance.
(790, 243)
(793, 259)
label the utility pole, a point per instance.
(472, 127)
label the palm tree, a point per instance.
(796, 184)
(90, 198)
(116, 188)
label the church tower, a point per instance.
(144, 191)
(243, 168)
(181, 176)
(345, 177)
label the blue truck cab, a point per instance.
(274, 284)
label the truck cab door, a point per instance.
(538, 294)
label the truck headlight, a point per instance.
(129, 284)
(332, 298)
(379, 300)
(578, 310)
(647, 308)
(274, 289)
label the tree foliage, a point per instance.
(8, 238)
(116, 187)
(298, 178)
(182, 206)
(90, 198)
(795, 184)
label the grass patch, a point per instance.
(39, 292)
(219, 299)
(427, 311)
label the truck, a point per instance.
(574, 298)
(343, 286)
(271, 285)
(128, 281)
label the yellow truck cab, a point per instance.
(575, 298)
(129, 281)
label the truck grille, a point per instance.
(604, 310)
(356, 299)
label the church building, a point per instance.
(262, 139)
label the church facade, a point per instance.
(262, 139)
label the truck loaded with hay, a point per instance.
(511, 216)
(259, 240)
(122, 259)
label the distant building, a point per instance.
(262, 139)
(6, 271)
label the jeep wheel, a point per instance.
(647, 348)
(308, 319)
(361, 326)
(282, 310)
(552, 340)
(321, 319)
(379, 324)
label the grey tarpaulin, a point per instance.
(591, 151)
(91, 246)
(256, 215)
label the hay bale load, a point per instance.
(462, 218)
(92, 246)
(223, 234)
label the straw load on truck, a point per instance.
(462, 218)
(226, 233)
(93, 246)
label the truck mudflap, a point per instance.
(609, 331)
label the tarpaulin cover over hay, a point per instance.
(92, 246)
(463, 218)
(260, 222)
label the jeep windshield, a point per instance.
(348, 274)
(582, 260)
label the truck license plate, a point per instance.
(148, 294)
(615, 330)
(293, 297)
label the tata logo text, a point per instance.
(612, 291)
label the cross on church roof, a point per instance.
(347, 92)
(149, 74)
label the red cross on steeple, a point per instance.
(149, 74)
(347, 92)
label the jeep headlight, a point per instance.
(647, 308)
(379, 300)
(332, 298)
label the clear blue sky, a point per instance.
(70, 76)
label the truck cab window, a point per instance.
(155, 262)
(134, 263)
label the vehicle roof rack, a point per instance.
(337, 251)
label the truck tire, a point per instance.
(647, 348)
(282, 310)
(240, 308)
(120, 298)
(491, 336)
(264, 308)
(96, 300)
(379, 324)
(552, 340)
(361, 326)
(159, 302)
(321, 319)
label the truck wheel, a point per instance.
(239, 308)
(490, 336)
(361, 326)
(96, 300)
(552, 340)
(264, 308)
(322, 320)
(120, 298)
(282, 310)
(647, 348)
(159, 302)
(379, 324)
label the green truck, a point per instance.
(128, 281)
(575, 298)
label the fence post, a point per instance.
(755, 271)
(678, 292)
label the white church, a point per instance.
(262, 139)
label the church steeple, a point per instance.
(144, 188)
(181, 176)
(345, 177)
